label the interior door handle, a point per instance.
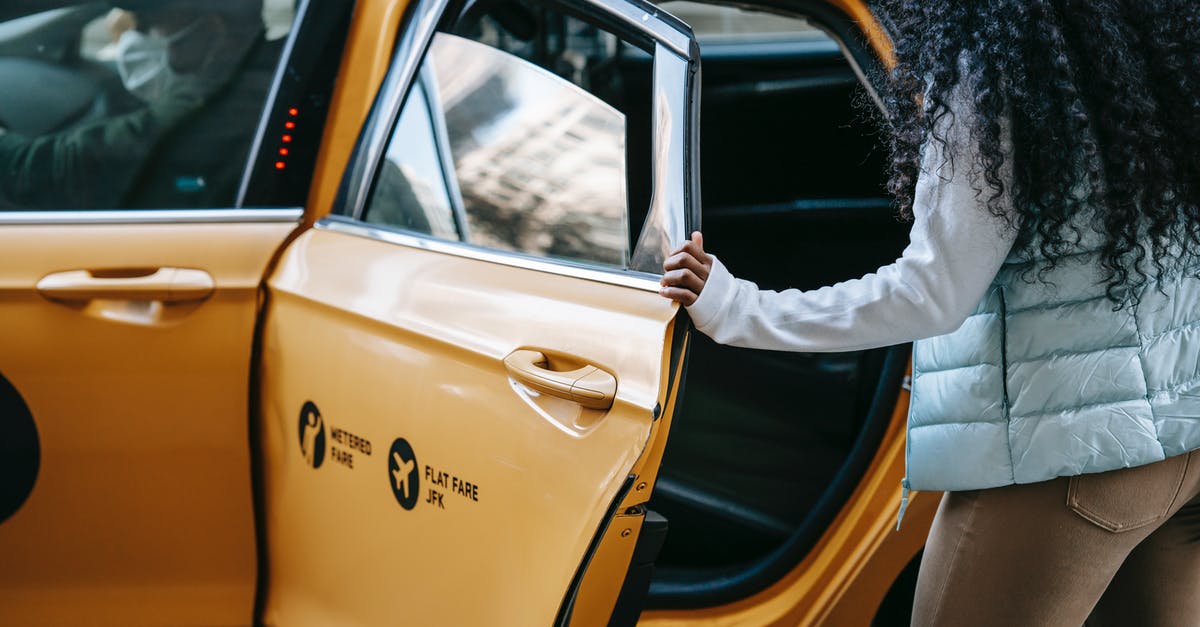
(171, 285)
(587, 385)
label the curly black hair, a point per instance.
(1078, 105)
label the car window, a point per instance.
(106, 108)
(594, 59)
(511, 144)
(568, 46)
(413, 190)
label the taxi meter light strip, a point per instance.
(286, 138)
(302, 94)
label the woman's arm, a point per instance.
(956, 246)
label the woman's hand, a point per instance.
(686, 271)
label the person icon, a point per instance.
(312, 435)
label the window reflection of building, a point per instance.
(540, 163)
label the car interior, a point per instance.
(26, 105)
(765, 446)
(63, 94)
(65, 101)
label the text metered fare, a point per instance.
(346, 444)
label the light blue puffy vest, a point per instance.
(1046, 380)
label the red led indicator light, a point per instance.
(283, 151)
(293, 111)
(286, 138)
(289, 125)
(279, 165)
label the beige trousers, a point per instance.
(1113, 548)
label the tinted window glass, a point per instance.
(587, 55)
(412, 191)
(106, 108)
(537, 163)
(571, 48)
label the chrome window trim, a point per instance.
(648, 20)
(624, 278)
(285, 57)
(372, 144)
(441, 146)
(665, 226)
(152, 216)
(441, 139)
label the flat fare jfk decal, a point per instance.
(405, 473)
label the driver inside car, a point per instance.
(172, 58)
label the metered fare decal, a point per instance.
(411, 481)
(344, 448)
(406, 477)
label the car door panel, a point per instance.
(383, 370)
(398, 342)
(142, 511)
(129, 307)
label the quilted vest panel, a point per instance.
(1045, 379)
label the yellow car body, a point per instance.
(171, 360)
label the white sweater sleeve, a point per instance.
(955, 248)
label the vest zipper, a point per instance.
(1004, 348)
(908, 383)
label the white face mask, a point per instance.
(144, 63)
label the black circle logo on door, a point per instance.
(403, 474)
(20, 452)
(312, 435)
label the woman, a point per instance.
(1048, 153)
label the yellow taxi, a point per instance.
(322, 312)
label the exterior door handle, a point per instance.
(169, 285)
(587, 385)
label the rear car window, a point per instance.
(107, 108)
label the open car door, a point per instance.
(466, 373)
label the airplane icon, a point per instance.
(400, 475)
